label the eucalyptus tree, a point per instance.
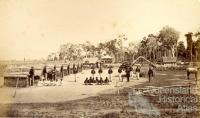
(168, 36)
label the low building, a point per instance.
(169, 61)
(93, 60)
(106, 59)
(19, 76)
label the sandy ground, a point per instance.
(69, 90)
(105, 105)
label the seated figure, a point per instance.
(106, 81)
(97, 80)
(86, 81)
(101, 81)
(90, 81)
(93, 81)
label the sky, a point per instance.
(32, 29)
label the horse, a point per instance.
(192, 70)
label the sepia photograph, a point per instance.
(99, 58)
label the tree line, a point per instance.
(153, 47)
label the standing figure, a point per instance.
(131, 72)
(128, 73)
(54, 74)
(110, 71)
(31, 76)
(68, 69)
(78, 68)
(120, 71)
(44, 73)
(137, 70)
(150, 74)
(100, 71)
(50, 75)
(93, 72)
(97, 64)
(75, 71)
(61, 73)
(73, 68)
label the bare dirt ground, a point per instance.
(69, 90)
(74, 100)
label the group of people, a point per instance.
(53, 75)
(75, 69)
(96, 81)
(125, 70)
(129, 72)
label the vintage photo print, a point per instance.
(100, 58)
